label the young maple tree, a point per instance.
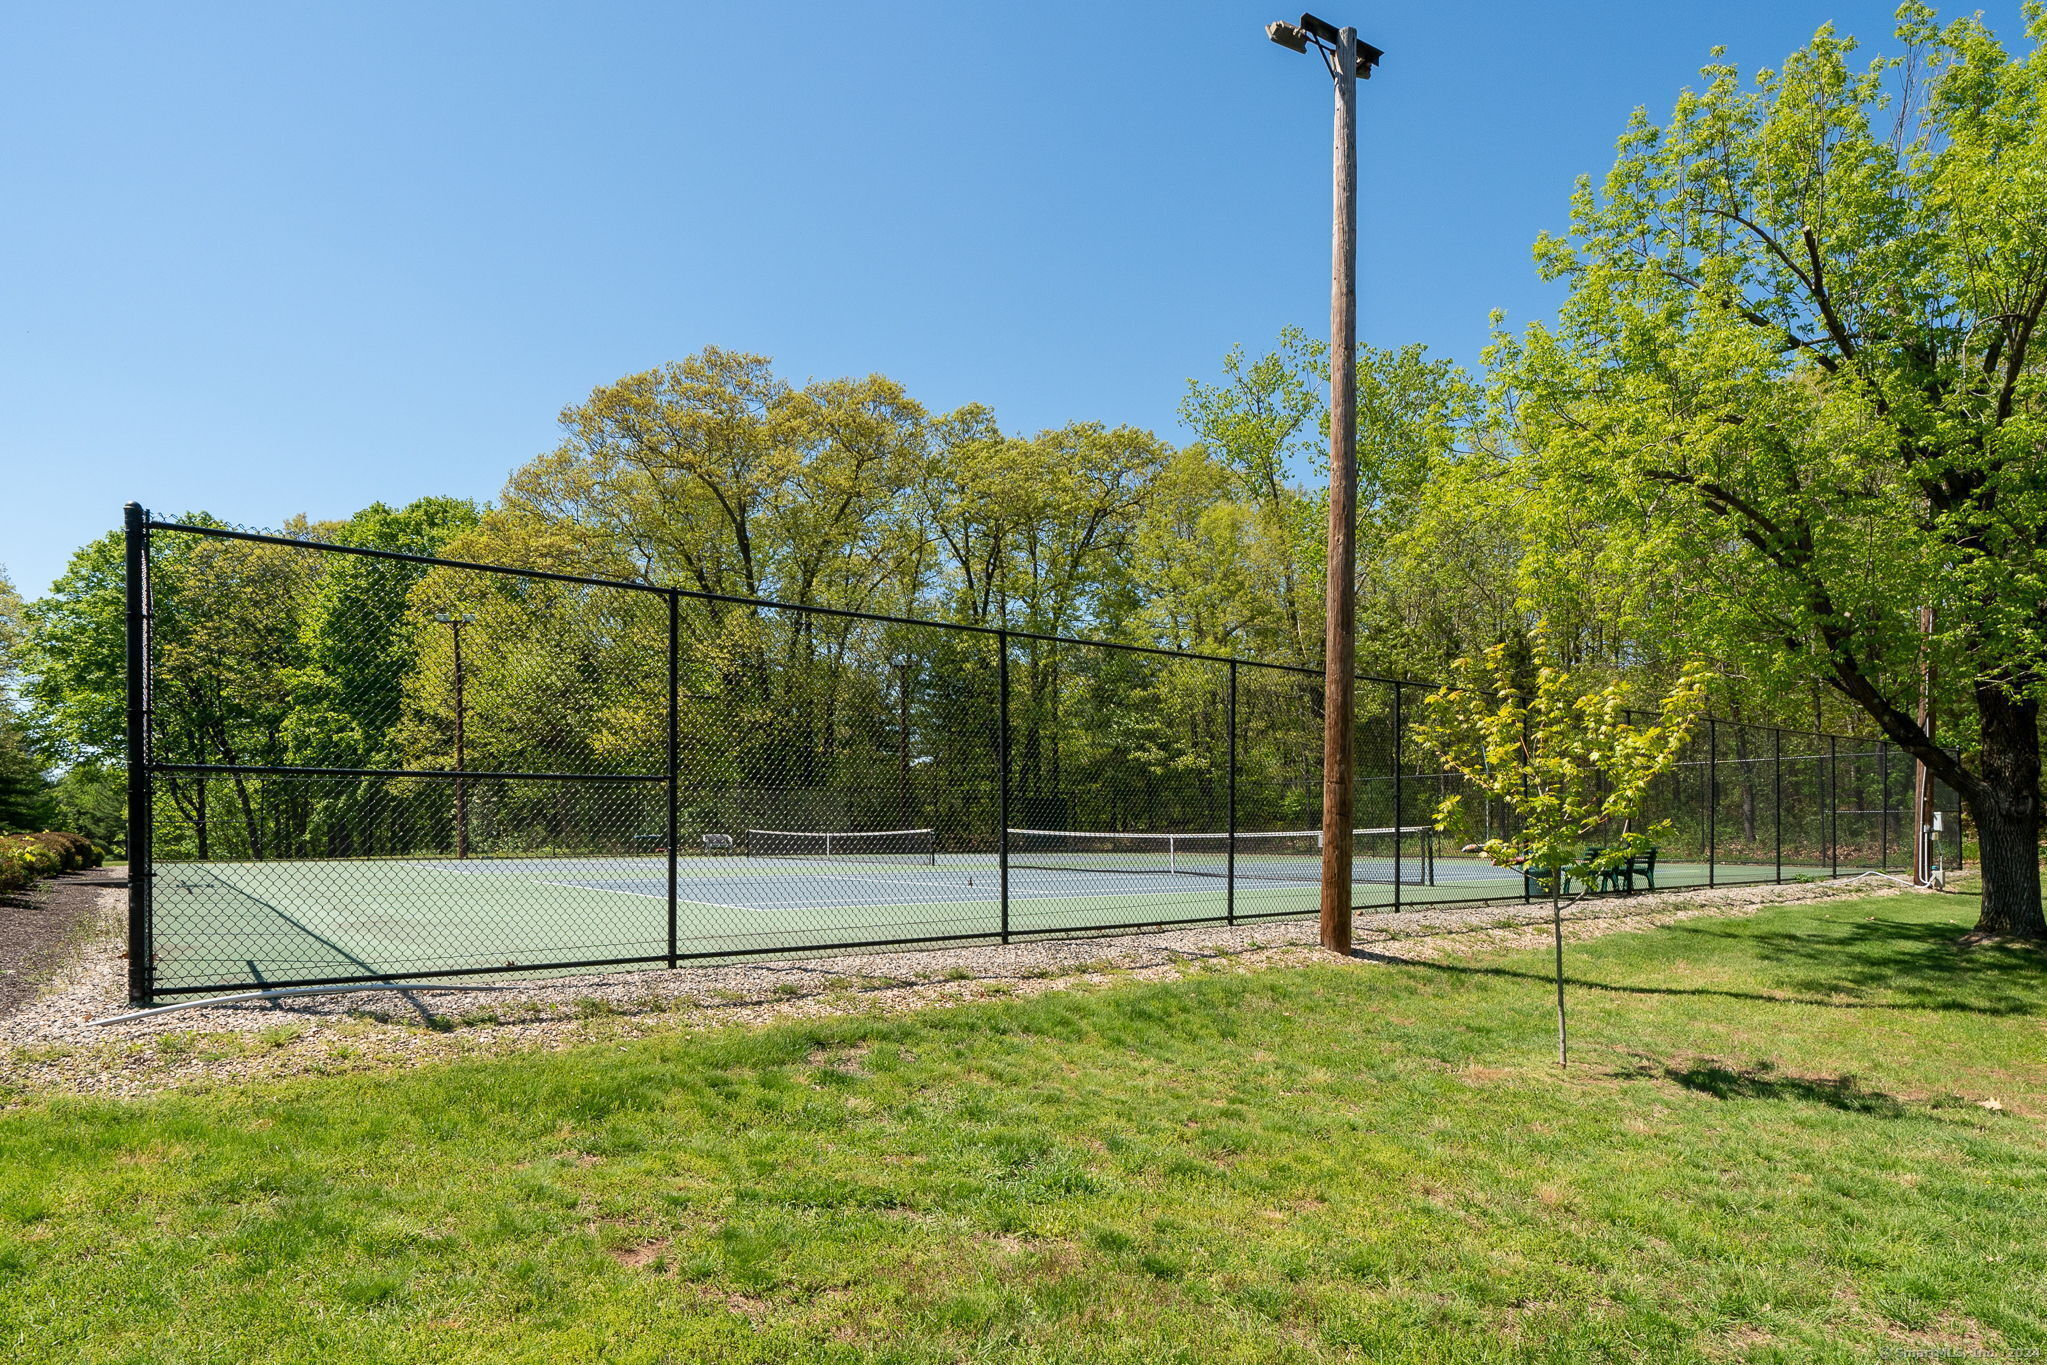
(1569, 759)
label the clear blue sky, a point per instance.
(265, 259)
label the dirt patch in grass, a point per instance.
(641, 1255)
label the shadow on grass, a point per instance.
(1762, 1081)
(1850, 964)
(1916, 964)
(1998, 1007)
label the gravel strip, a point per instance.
(50, 1045)
(39, 928)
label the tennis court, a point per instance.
(318, 920)
(447, 767)
(298, 920)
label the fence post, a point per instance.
(1399, 806)
(1712, 802)
(1527, 892)
(1883, 803)
(674, 776)
(1002, 779)
(1777, 792)
(1833, 806)
(141, 793)
(1230, 881)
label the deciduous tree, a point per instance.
(1799, 370)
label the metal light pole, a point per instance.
(455, 621)
(1347, 60)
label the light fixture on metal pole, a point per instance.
(455, 621)
(1347, 60)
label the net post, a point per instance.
(141, 787)
(1712, 802)
(674, 774)
(1230, 883)
(1777, 792)
(1399, 806)
(1002, 775)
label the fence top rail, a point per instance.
(733, 599)
(466, 774)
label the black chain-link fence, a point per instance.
(356, 764)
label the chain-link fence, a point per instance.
(356, 764)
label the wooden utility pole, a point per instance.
(1349, 61)
(1339, 648)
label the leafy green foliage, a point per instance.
(76, 657)
(1795, 393)
(24, 786)
(25, 796)
(264, 654)
(1570, 760)
(1267, 423)
(359, 643)
(93, 800)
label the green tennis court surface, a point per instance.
(279, 922)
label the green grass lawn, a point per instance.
(1771, 1149)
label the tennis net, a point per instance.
(848, 846)
(1405, 854)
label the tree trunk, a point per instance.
(1556, 914)
(2007, 815)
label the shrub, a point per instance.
(72, 851)
(25, 857)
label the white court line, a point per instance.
(647, 895)
(585, 886)
(774, 878)
(1044, 879)
(783, 879)
(991, 895)
(716, 905)
(743, 909)
(988, 900)
(879, 881)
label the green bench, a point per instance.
(1622, 878)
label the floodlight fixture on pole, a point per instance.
(455, 620)
(1348, 61)
(1324, 35)
(1287, 35)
